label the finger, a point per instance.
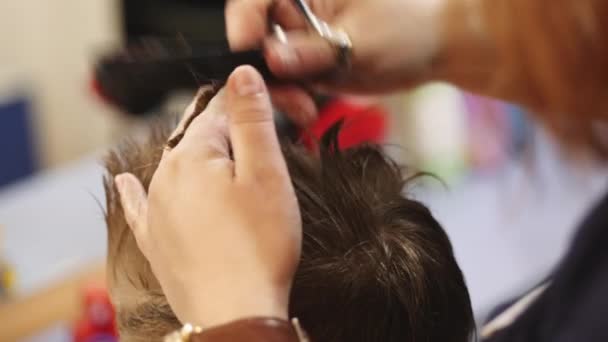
(305, 55)
(195, 107)
(134, 201)
(286, 14)
(207, 136)
(246, 22)
(255, 145)
(296, 103)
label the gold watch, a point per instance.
(184, 334)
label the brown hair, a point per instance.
(376, 265)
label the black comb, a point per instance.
(140, 77)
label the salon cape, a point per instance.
(572, 305)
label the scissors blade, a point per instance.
(310, 17)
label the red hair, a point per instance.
(551, 55)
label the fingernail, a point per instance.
(248, 82)
(285, 54)
(120, 182)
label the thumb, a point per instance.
(134, 202)
(303, 55)
(253, 136)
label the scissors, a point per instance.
(138, 78)
(339, 39)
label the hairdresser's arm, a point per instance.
(220, 225)
(396, 43)
(536, 52)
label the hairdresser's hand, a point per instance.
(222, 234)
(394, 42)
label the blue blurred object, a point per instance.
(18, 157)
(521, 130)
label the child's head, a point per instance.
(375, 266)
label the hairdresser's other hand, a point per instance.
(394, 42)
(222, 234)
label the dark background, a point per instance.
(199, 19)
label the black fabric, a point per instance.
(574, 308)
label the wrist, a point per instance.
(228, 305)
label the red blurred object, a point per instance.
(97, 323)
(98, 91)
(361, 123)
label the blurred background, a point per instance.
(511, 201)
